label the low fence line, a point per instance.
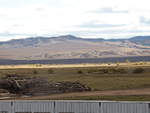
(49, 106)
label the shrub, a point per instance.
(80, 72)
(123, 71)
(109, 64)
(50, 71)
(120, 71)
(104, 70)
(113, 71)
(35, 72)
(108, 71)
(138, 70)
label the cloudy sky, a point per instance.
(84, 18)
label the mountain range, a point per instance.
(68, 47)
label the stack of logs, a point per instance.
(32, 86)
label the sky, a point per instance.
(82, 18)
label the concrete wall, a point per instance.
(47, 106)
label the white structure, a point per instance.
(49, 106)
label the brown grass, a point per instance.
(91, 74)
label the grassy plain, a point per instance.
(100, 77)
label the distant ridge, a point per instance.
(35, 40)
(144, 40)
(69, 46)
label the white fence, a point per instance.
(48, 106)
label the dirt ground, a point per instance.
(145, 91)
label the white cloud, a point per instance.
(100, 18)
(109, 10)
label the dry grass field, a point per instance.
(100, 77)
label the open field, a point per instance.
(100, 77)
(124, 64)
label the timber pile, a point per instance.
(31, 86)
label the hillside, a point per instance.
(68, 46)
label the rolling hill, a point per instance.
(68, 46)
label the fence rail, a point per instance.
(48, 106)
